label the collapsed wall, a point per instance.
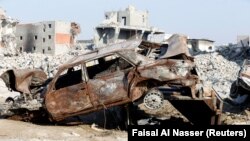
(7, 34)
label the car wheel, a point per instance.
(153, 99)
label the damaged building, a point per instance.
(7, 34)
(124, 25)
(204, 45)
(48, 37)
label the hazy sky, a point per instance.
(219, 20)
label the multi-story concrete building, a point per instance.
(49, 37)
(124, 25)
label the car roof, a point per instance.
(127, 45)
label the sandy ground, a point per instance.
(22, 131)
(11, 130)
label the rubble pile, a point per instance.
(47, 63)
(220, 70)
(217, 71)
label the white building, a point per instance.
(201, 45)
(124, 25)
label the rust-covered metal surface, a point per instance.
(125, 78)
(177, 45)
(123, 73)
(22, 79)
(244, 75)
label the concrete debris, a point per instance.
(220, 70)
(234, 53)
(7, 35)
(75, 28)
(47, 63)
(172, 64)
(217, 72)
(77, 86)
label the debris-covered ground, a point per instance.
(215, 69)
(172, 79)
(47, 63)
(219, 70)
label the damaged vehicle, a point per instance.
(130, 72)
(240, 88)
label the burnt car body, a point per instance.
(240, 88)
(126, 73)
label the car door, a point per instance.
(69, 94)
(108, 80)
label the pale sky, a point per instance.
(219, 20)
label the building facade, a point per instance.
(48, 37)
(201, 45)
(123, 25)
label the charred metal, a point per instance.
(119, 74)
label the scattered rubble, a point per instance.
(171, 76)
(217, 72)
(47, 63)
(220, 69)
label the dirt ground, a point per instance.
(22, 131)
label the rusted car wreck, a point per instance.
(119, 74)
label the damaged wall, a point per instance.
(123, 25)
(128, 17)
(198, 45)
(48, 37)
(7, 34)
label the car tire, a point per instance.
(153, 99)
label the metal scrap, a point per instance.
(125, 73)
